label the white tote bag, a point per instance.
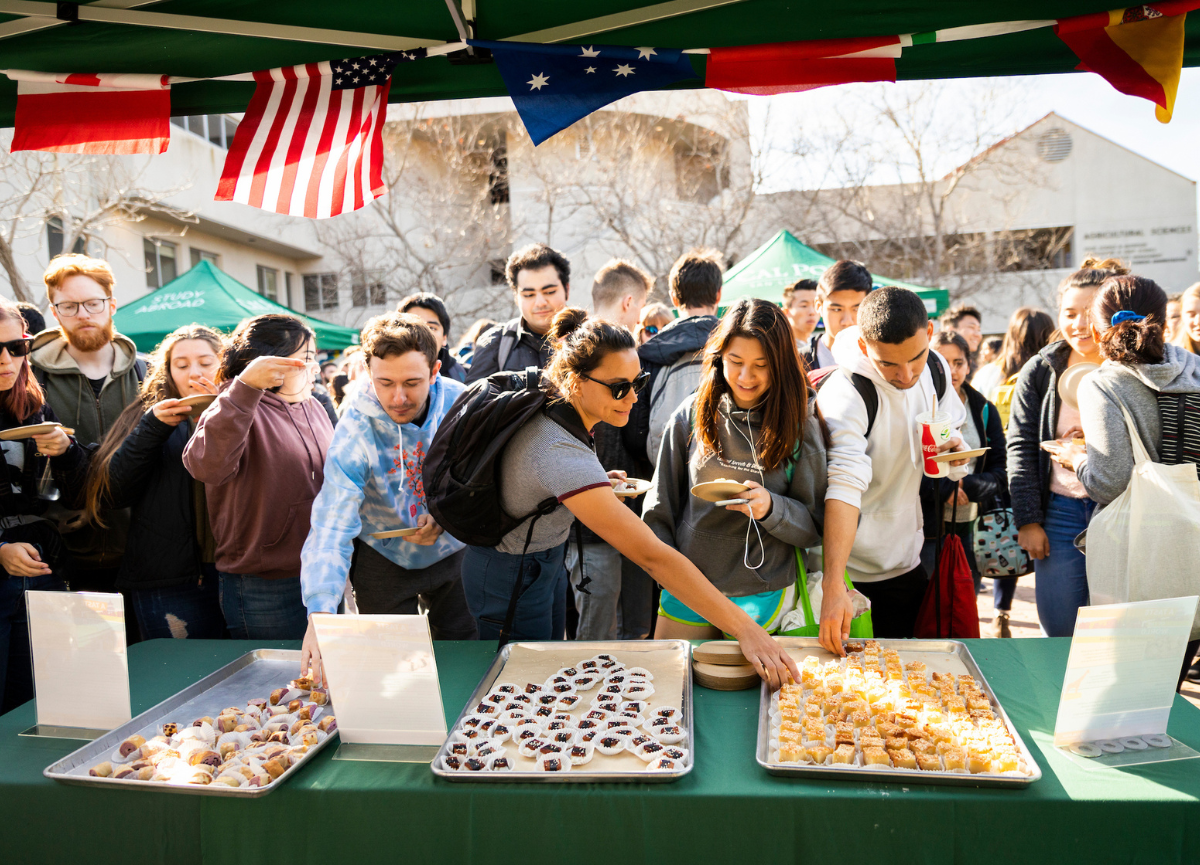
(1146, 544)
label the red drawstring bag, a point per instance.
(949, 608)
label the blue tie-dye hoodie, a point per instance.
(373, 483)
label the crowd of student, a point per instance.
(247, 518)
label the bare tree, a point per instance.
(905, 175)
(443, 225)
(80, 195)
(637, 184)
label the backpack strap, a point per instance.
(870, 396)
(508, 341)
(545, 507)
(139, 369)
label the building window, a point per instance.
(320, 291)
(160, 262)
(1035, 249)
(287, 289)
(363, 293)
(217, 128)
(199, 255)
(268, 283)
(54, 238)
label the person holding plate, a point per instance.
(753, 420)
(36, 469)
(169, 568)
(374, 485)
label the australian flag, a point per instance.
(552, 86)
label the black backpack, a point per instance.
(462, 469)
(866, 388)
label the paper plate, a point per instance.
(640, 488)
(716, 491)
(959, 455)
(23, 432)
(1068, 382)
(199, 403)
(1052, 445)
(395, 533)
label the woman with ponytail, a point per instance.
(594, 375)
(33, 472)
(1156, 382)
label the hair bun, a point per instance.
(568, 320)
(1118, 267)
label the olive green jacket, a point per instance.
(71, 396)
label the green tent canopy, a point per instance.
(208, 295)
(782, 260)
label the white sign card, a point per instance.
(382, 677)
(80, 665)
(1123, 669)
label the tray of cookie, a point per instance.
(576, 711)
(240, 731)
(905, 711)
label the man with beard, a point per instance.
(90, 374)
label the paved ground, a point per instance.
(1024, 621)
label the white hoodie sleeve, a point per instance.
(846, 416)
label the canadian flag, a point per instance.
(789, 67)
(79, 113)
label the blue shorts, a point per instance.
(766, 608)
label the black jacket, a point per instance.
(528, 349)
(147, 474)
(987, 486)
(1033, 420)
(451, 368)
(681, 337)
(69, 471)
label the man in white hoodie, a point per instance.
(873, 524)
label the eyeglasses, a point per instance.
(70, 308)
(621, 389)
(651, 329)
(17, 347)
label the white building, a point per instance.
(466, 188)
(644, 179)
(1017, 219)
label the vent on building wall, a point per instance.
(1054, 145)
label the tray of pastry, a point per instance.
(241, 731)
(905, 711)
(576, 711)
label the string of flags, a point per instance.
(310, 143)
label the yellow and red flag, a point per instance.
(1138, 50)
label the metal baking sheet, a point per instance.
(254, 674)
(624, 650)
(910, 650)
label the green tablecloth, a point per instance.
(726, 811)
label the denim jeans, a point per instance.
(191, 609)
(258, 609)
(488, 579)
(1062, 576)
(1003, 591)
(16, 660)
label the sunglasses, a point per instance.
(621, 389)
(18, 347)
(651, 329)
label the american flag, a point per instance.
(311, 142)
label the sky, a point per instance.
(1084, 98)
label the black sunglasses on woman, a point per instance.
(620, 389)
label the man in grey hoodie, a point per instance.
(90, 374)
